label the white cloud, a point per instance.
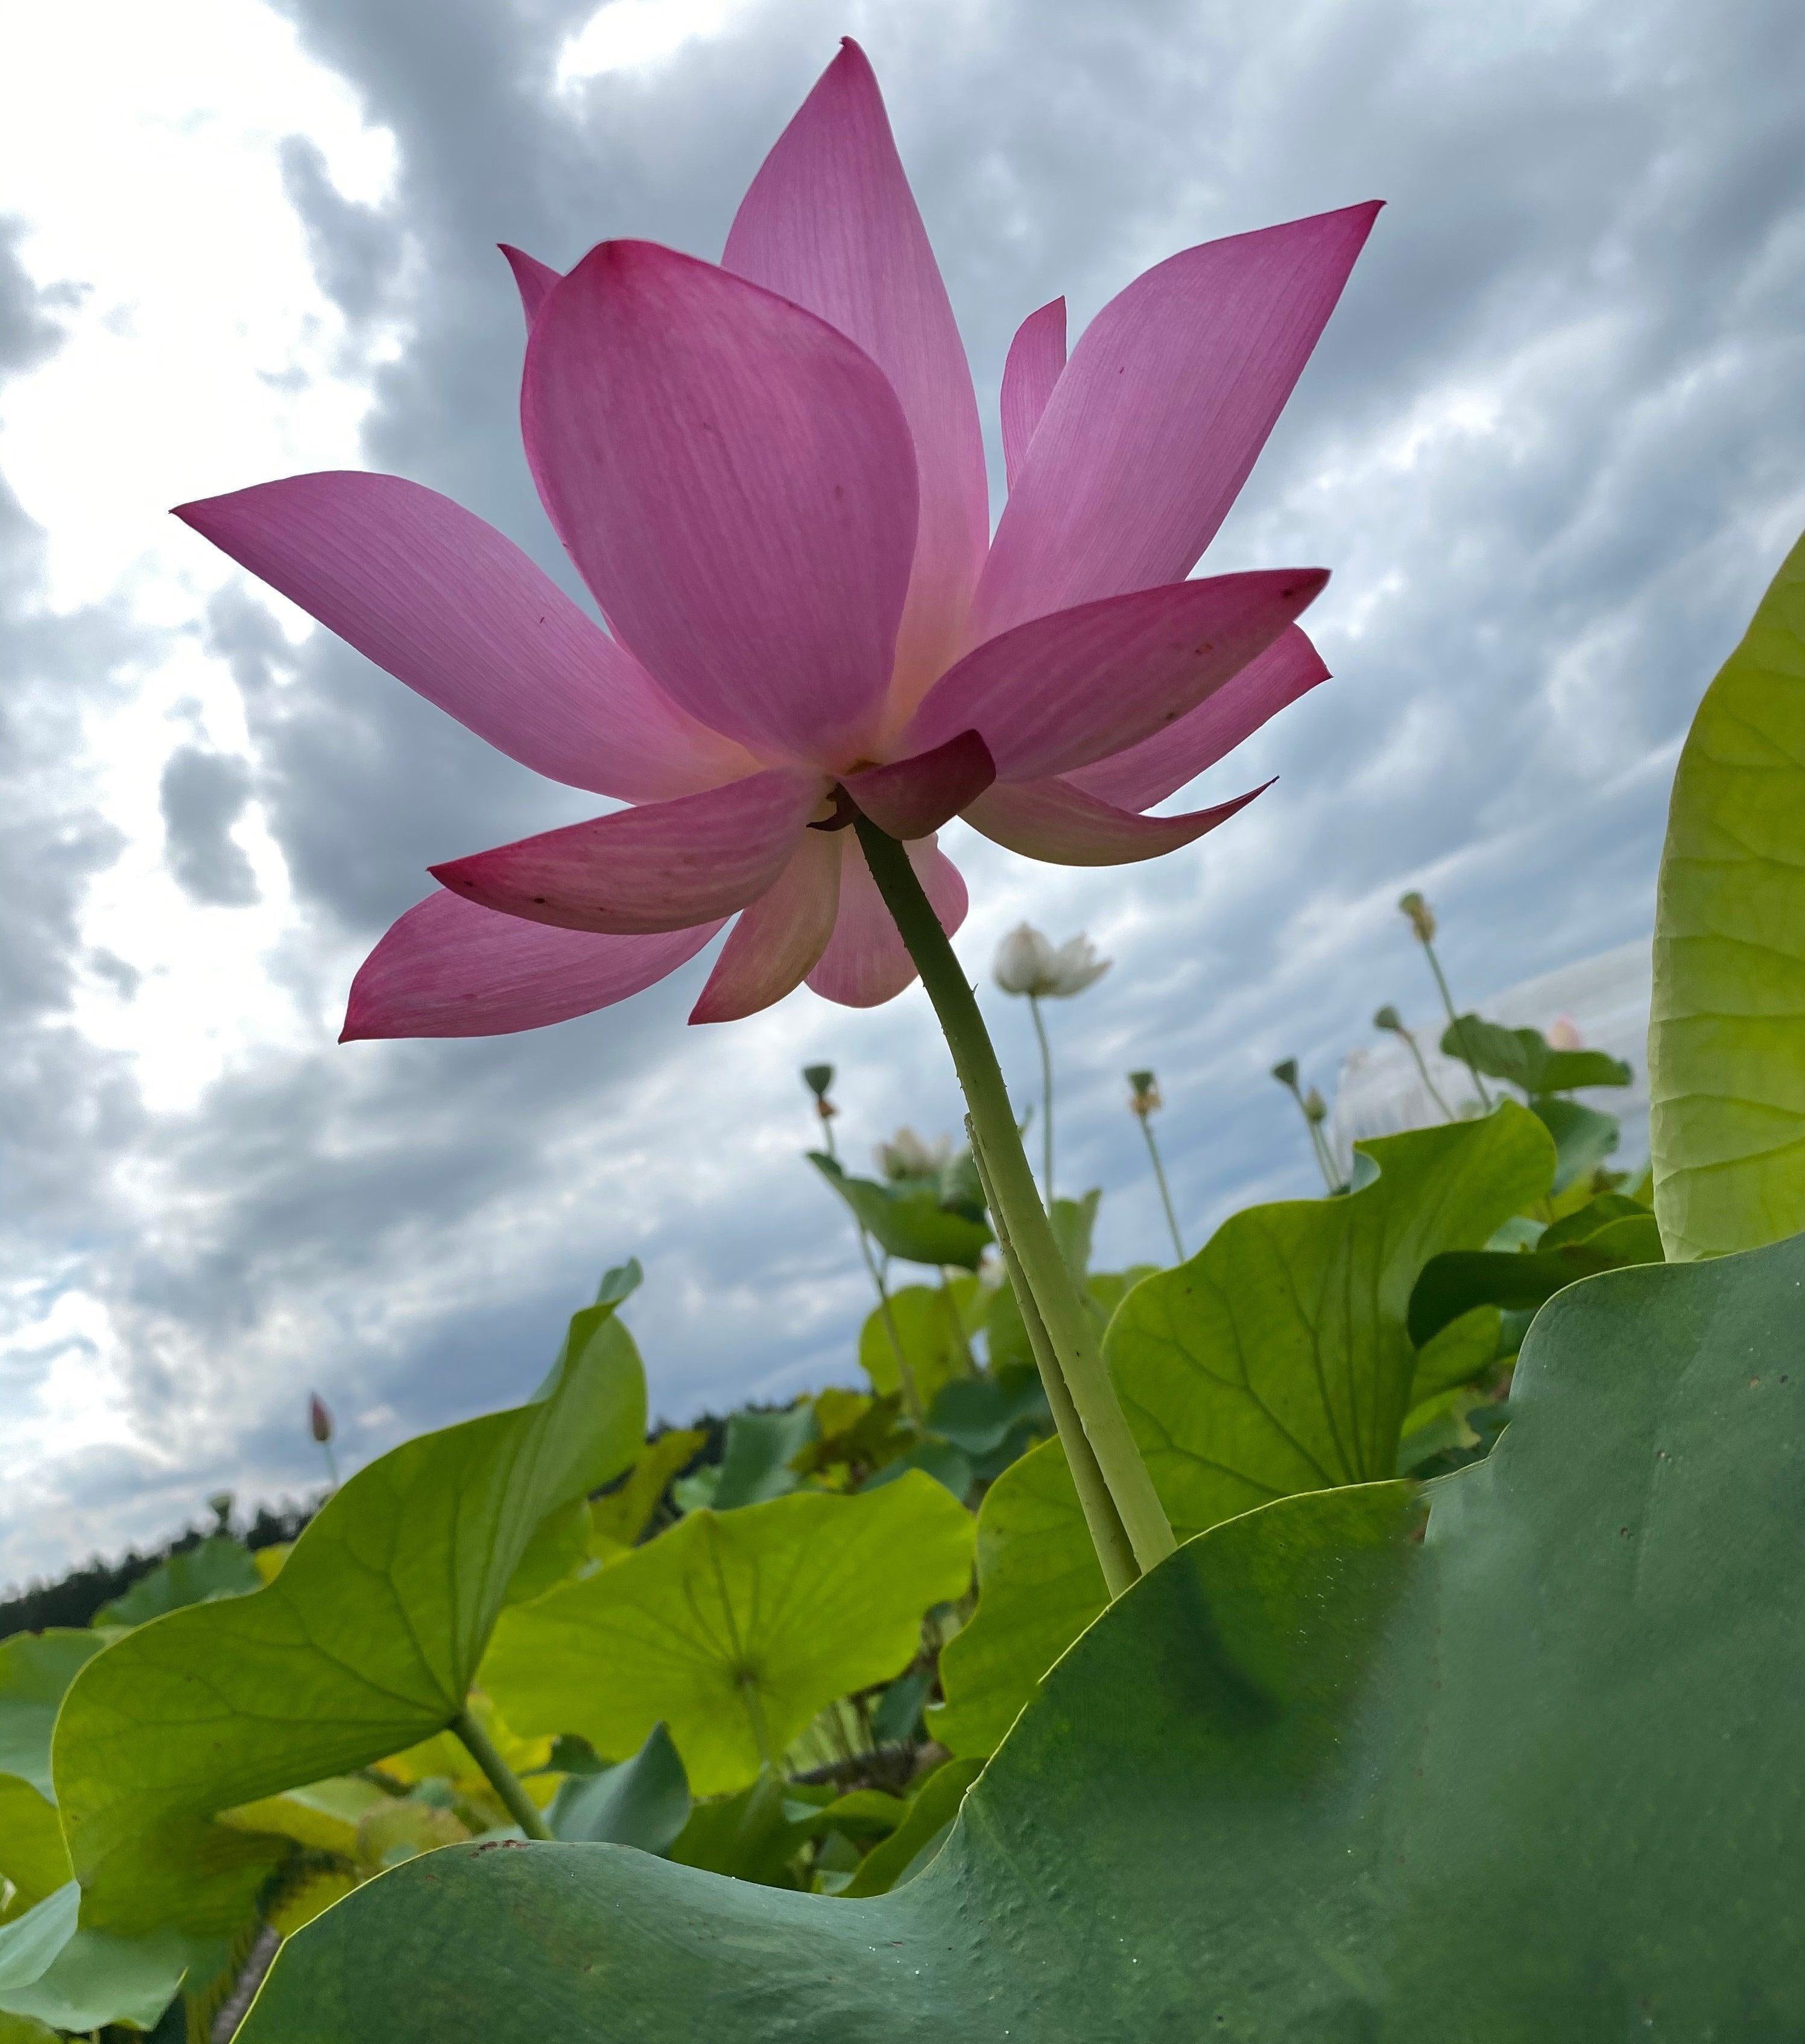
(633, 35)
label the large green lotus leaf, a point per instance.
(617, 1520)
(1583, 1137)
(1453, 1284)
(1532, 1780)
(735, 1628)
(56, 1969)
(218, 1566)
(1109, 1288)
(365, 1643)
(1526, 1058)
(1726, 1035)
(1463, 1350)
(1039, 1587)
(36, 1670)
(978, 1414)
(643, 1801)
(908, 1219)
(756, 1463)
(24, 2030)
(923, 1830)
(1276, 1360)
(935, 1324)
(1074, 1224)
(32, 1855)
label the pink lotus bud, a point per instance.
(1562, 1035)
(319, 1420)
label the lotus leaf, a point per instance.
(1726, 1036)
(735, 1628)
(1276, 1360)
(366, 1643)
(1528, 1777)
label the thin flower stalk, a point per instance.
(1309, 1105)
(320, 1426)
(1028, 964)
(1389, 1020)
(1421, 917)
(1045, 1098)
(1144, 1099)
(818, 1078)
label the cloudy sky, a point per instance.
(1552, 446)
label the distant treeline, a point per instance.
(74, 1598)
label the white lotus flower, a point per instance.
(1027, 963)
(906, 1156)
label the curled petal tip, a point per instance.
(532, 278)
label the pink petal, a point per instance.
(776, 941)
(1054, 821)
(426, 590)
(866, 963)
(666, 865)
(830, 222)
(1142, 774)
(448, 968)
(533, 279)
(1065, 690)
(1036, 356)
(1161, 412)
(735, 481)
(913, 798)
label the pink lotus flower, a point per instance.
(770, 475)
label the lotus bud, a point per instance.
(319, 1420)
(1144, 1094)
(1421, 918)
(1562, 1035)
(1388, 1018)
(1285, 1072)
(1027, 963)
(818, 1078)
(1315, 1108)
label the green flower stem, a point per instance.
(1107, 1534)
(1423, 1068)
(1070, 1335)
(1316, 1143)
(1453, 1022)
(905, 1375)
(1045, 1100)
(967, 1362)
(1165, 1190)
(501, 1778)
